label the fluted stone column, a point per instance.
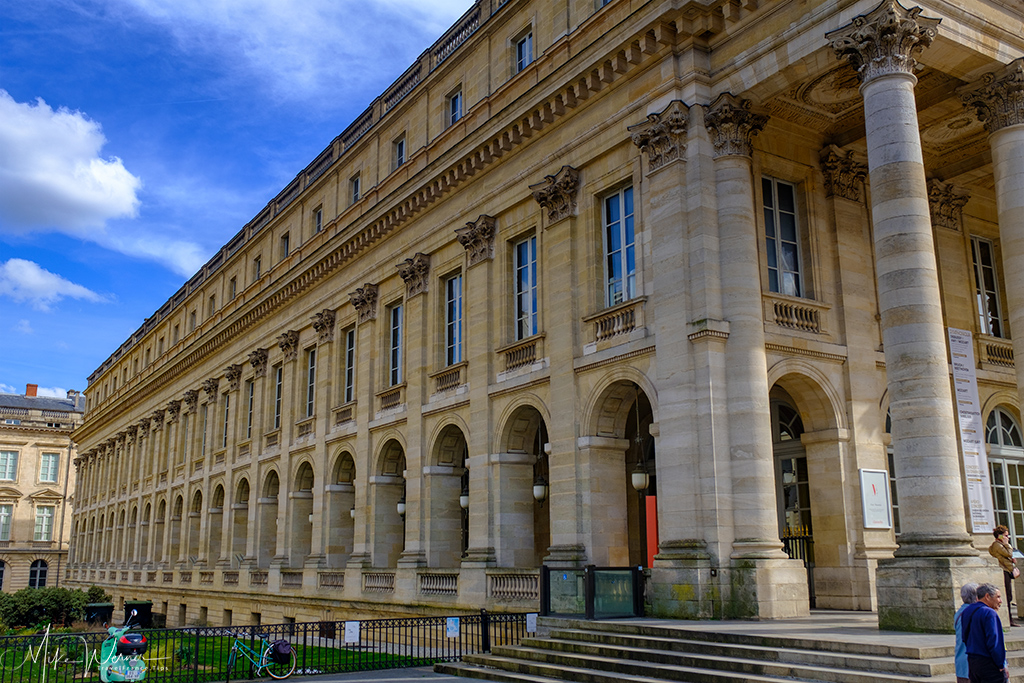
(917, 590)
(767, 584)
(999, 102)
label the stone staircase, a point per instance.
(640, 652)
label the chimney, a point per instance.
(30, 389)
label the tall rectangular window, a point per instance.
(192, 321)
(986, 287)
(206, 424)
(318, 219)
(8, 465)
(227, 417)
(524, 51)
(354, 189)
(782, 237)
(176, 335)
(395, 356)
(48, 463)
(526, 287)
(257, 268)
(184, 430)
(285, 246)
(454, 112)
(233, 287)
(6, 514)
(310, 382)
(453, 319)
(44, 523)
(278, 391)
(619, 247)
(250, 390)
(213, 305)
(350, 365)
(399, 145)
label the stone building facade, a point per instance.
(717, 242)
(37, 485)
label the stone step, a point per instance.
(678, 667)
(714, 655)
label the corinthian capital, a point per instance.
(662, 136)
(258, 359)
(191, 400)
(885, 40)
(323, 323)
(364, 300)
(844, 175)
(478, 238)
(415, 272)
(946, 204)
(557, 193)
(233, 374)
(289, 343)
(998, 98)
(732, 125)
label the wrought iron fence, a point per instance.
(200, 654)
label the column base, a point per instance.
(412, 559)
(684, 584)
(922, 593)
(566, 556)
(479, 558)
(767, 589)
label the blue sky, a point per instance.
(138, 136)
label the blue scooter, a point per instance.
(121, 654)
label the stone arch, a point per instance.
(239, 522)
(339, 508)
(344, 470)
(388, 489)
(517, 426)
(267, 518)
(519, 462)
(448, 448)
(175, 529)
(1001, 398)
(303, 476)
(215, 519)
(391, 457)
(145, 531)
(608, 406)
(445, 481)
(132, 528)
(195, 523)
(159, 529)
(818, 401)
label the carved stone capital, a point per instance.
(415, 272)
(258, 359)
(130, 433)
(662, 136)
(144, 428)
(173, 409)
(157, 416)
(998, 98)
(289, 344)
(364, 300)
(478, 238)
(557, 193)
(119, 441)
(844, 175)
(210, 387)
(732, 125)
(233, 374)
(946, 204)
(885, 40)
(323, 323)
(191, 399)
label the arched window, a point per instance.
(37, 574)
(2, 567)
(1006, 470)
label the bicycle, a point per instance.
(263, 659)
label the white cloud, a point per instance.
(23, 327)
(315, 49)
(7, 389)
(24, 281)
(51, 174)
(55, 392)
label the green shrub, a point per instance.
(97, 594)
(43, 606)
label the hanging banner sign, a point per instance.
(972, 430)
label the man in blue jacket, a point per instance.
(983, 636)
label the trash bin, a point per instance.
(144, 609)
(99, 612)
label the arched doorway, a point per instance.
(240, 523)
(268, 519)
(1006, 470)
(447, 482)
(158, 533)
(174, 541)
(792, 487)
(388, 504)
(144, 534)
(195, 520)
(216, 522)
(340, 510)
(522, 466)
(301, 510)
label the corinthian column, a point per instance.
(999, 101)
(916, 590)
(774, 586)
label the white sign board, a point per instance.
(531, 622)
(972, 430)
(452, 627)
(875, 499)
(351, 632)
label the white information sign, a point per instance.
(972, 430)
(875, 500)
(351, 632)
(452, 627)
(531, 622)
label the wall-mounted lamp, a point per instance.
(352, 512)
(401, 505)
(639, 478)
(540, 488)
(464, 498)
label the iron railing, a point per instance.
(200, 654)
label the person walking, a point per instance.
(1003, 552)
(969, 595)
(983, 637)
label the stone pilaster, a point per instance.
(917, 588)
(946, 204)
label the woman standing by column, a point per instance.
(1003, 551)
